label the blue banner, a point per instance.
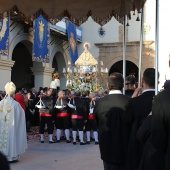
(61, 26)
(4, 36)
(72, 40)
(41, 47)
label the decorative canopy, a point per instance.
(77, 11)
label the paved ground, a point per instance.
(59, 156)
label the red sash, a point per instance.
(63, 114)
(45, 114)
(90, 117)
(76, 117)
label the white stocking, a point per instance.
(96, 136)
(58, 134)
(42, 137)
(74, 135)
(81, 136)
(50, 137)
(88, 136)
(67, 133)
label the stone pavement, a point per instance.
(59, 156)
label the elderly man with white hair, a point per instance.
(13, 140)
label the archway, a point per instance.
(21, 73)
(131, 68)
(58, 64)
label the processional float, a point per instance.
(86, 75)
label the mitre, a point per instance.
(10, 88)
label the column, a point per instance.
(5, 72)
(42, 74)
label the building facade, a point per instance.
(106, 44)
(20, 68)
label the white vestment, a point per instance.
(13, 138)
(55, 83)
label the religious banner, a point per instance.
(72, 40)
(4, 36)
(41, 43)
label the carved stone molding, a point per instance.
(41, 69)
(6, 64)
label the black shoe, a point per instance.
(58, 141)
(82, 143)
(77, 138)
(63, 138)
(68, 141)
(92, 139)
(14, 161)
(52, 142)
(42, 141)
(88, 142)
(96, 143)
(74, 143)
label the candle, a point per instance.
(102, 70)
(64, 70)
(94, 69)
(75, 70)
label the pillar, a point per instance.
(5, 72)
(42, 74)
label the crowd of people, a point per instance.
(132, 130)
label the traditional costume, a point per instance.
(78, 114)
(46, 117)
(90, 124)
(13, 139)
(62, 120)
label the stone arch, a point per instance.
(119, 58)
(17, 39)
(58, 63)
(131, 68)
(21, 73)
(54, 51)
(59, 60)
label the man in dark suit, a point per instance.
(112, 129)
(160, 127)
(139, 107)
